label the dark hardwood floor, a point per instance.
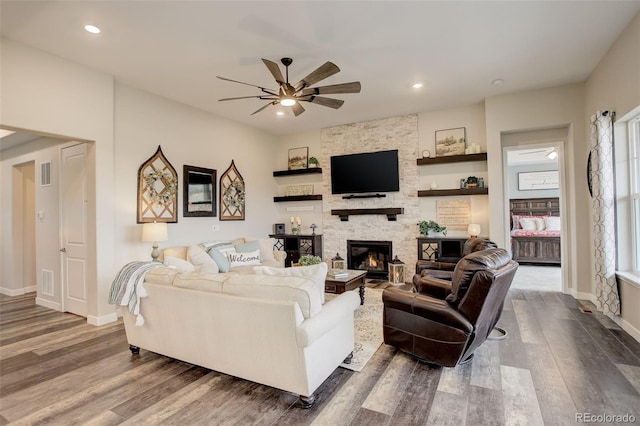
(556, 363)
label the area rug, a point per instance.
(368, 329)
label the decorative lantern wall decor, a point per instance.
(396, 271)
(157, 190)
(338, 263)
(232, 194)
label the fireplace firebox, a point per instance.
(370, 256)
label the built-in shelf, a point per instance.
(452, 159)
(391, 213)
(451, 192)
(309, 171)
(297, 198)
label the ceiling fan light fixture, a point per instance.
(92, 29)
(287, 102)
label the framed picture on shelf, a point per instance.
(298, 158)
(451, 141)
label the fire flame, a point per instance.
(373, 263)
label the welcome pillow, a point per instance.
(249, 258)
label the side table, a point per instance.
(340, 285)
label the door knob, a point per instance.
(63, 250)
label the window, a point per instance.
(634, 189)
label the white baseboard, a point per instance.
(633, 332)
(49, 304)
(17, 291)
(102, 320)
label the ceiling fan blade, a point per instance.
(323, 71)
(328, 102)
(275, 70)
(297, 109)
(353, 87)
(269, 104)
(271, 92)
(243, 97)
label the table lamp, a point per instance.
(155, 232)
(474, 230)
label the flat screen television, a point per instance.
(366, 172)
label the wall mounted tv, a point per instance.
(366, 172)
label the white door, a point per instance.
(73, 187)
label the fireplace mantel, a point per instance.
(391, 213)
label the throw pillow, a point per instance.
(198, 257)
(316, 273)
(266, 248)
(180, 265)
(179, 251)
(244, 258)
(247, 247)
(552, 222)
(221, 259)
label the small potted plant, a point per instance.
(429, 228)
(313, 162)
(307, 259)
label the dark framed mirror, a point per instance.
(199, 193)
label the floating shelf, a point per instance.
(452, 192)
(297, 198)
(310, 171)
(391, 213)
(452, 159)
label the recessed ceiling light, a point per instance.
(417, 85)
(279, 113)
(92, 29)
(497, 82)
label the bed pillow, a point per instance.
(527, 223)
(541, 225)
(552, 223)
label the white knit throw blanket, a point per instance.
(127, 288)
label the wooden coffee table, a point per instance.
(340, 285)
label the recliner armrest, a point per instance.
(428, 264)
(434, 283)
(427, 307)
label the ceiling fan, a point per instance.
(292, 95)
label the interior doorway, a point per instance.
(529, 159)
(23, 226)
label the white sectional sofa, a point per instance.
(269, 325)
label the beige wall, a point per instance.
(615, 85)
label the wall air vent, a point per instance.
(47, 282)
(45, 173)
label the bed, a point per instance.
(535, 230)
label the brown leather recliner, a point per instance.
(435, 277)
(447, 331)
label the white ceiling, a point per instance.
(176, 48)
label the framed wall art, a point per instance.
(451, 141)
(199, 192)
(298, 158)
(232, 194)
(157, 190)
(531, 181)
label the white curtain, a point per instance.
(604, 232)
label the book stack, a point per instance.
(337, 273)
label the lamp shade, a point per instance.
(474, 230)
(154, 232)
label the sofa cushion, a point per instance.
(197, 255)
(316, 273)
(295, 289)
(180, 265)
(199, 281)
(161, 276)
(244, 258)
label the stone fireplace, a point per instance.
(377, 135)
(370, 256)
